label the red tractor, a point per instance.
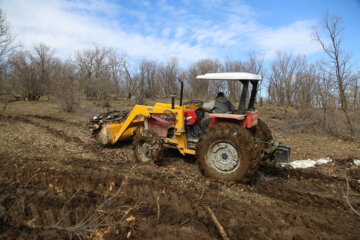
(228, 147)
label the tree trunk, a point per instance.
(349, 122)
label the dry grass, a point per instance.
(309, 135)
(292, 120)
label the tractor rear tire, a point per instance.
(147, 146)
(227, 152)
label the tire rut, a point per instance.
(56, 200)
(302, 174)
(54, 203)
(93, 147)
(297, 197)
(54, 119)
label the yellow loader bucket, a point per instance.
(110, 127)
(108, 132)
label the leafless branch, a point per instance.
(346, 196)
(158, 203)
(202, 194)
(219, 227)
(94, 220)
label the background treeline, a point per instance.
(101, 74)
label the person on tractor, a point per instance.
(220, 105)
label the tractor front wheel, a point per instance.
(147, 146)
(227, 152)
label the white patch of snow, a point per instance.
(357, 162)
(307, 163)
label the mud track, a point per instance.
(302, 174)
(57, 133)
(50, 203)
(54, 119)
(94, 147)
(298, 197)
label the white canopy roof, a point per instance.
(230, 76)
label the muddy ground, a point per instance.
(56, 182)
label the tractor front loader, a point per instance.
(229, 148)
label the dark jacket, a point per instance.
(222, 105)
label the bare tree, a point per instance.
(305, 85)
(95, 73)
(141, 78)
(167, 76)
(115, 68)
(147, 74)
(24, 75)
(255, 63)
(86, 63)
(203, 89)
(131, 81)
(197, 89)
(281, 81)
(233, 87)
(102, 75)
(33, 73)
(45, 67)
(355, 91)
(325, 91)
(6, 40)
(338, 63)
(6, 47)
(67, 85)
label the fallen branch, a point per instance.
(347, 197)
(158, 204)
(158, 207)
(202, 194)
(186, 221)
(219, 227)
(94, 220)
(21, 202)
(62, 214)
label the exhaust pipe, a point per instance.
(172, 95)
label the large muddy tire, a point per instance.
(227, 152)
(147, 146)
(262, 132)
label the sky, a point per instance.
(188, 30)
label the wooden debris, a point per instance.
(219, 227)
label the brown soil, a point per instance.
(56, 182)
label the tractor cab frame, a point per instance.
(242, 77)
